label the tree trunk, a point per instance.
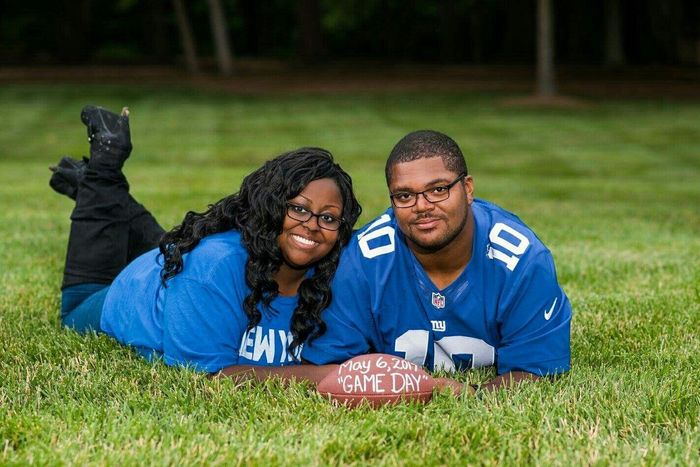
(614, 54)
(221, 40)
(546, 86)
(186, 37)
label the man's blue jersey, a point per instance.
(198, 319)
(505, 309)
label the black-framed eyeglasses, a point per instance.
(301, 214)
(408, 199)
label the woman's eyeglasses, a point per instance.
(301, 214)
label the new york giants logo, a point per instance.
(438, 300)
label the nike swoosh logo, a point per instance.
(548, 313)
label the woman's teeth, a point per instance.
(304, 241)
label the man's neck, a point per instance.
(445, 265)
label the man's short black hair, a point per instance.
(426, 144)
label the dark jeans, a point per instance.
(109, 229)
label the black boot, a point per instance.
(66, 176)
(109, 137)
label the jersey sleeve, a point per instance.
(535, 327)
(202, 326)
(350, 328)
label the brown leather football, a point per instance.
(377, 379)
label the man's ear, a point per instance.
(469, 188)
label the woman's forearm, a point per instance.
(312, 373)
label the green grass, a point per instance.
(613, 190)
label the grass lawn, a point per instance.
(613, 190)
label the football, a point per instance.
(377, 379)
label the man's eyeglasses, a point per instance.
(301, 214)
(408, 199)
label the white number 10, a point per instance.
(386, 231)
(516, 250)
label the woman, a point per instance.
(233, 288)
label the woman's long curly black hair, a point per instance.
(258, 211)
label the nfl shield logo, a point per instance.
(438, 300)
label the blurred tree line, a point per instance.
(434, 31)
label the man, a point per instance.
(446, 280)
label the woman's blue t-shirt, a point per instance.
(198, 319)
